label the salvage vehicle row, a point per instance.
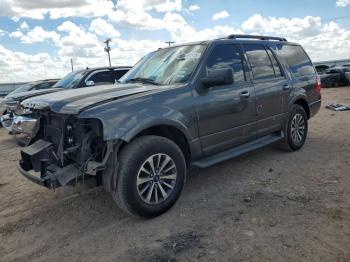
(18, 120)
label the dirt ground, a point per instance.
(268, 205)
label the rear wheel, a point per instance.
(151, 175)
(296, 129)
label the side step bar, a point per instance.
(239, 150)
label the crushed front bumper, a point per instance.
(39, 164)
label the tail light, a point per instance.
(318, 84)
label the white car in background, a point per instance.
(2, 106)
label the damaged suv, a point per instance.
(194, 104)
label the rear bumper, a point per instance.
(314, 108)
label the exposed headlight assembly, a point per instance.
(35, 105)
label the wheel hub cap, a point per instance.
(156, 179)
(298, 128)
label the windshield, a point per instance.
(166, 66)
(23, 88)
(70, 80)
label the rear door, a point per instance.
(226, 112)
(301, 69)
(270, 85)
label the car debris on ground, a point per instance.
(338, 107)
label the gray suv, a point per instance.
(194, 104)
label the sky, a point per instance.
(39, 38)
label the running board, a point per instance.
(239, 150)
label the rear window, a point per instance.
(118, 73)
(297, 60)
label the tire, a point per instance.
(290, 142)
(128, 193)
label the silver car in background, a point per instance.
(2, 106)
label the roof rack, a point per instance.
(260, 37)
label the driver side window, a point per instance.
(227, 56)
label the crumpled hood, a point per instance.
(74, 101)
(28, 94)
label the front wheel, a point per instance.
(296, 129)
(151, 175)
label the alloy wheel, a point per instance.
(156, 179)
(298, 128)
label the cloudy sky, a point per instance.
(38, 38)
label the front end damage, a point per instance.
(18, 120)
(66, 150)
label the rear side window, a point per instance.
(276, 67)
(118, 73)
(260, 61)
(227, 56)
(297, 60)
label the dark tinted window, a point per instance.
(276, 67)
(23, 88)
(296, 58)
(101, 77)
(119, 73)
(259, 61)
(71, 80)
(227, 56)
(43, 86)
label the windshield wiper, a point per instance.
(143, 80)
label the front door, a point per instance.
(226, 112)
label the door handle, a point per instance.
(244, 94)
(286, 87)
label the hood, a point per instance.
(74, 101)
(28, 94)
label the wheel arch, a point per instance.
(303, 103)
(173, 133)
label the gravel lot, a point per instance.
(268, 205)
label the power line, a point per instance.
(169, 42)
(336, 18)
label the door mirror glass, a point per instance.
(218, 77)
(89, 83)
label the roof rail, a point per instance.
(260, 37)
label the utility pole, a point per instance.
(169, 42)
(71, 63)
(108, 49)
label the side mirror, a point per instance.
(90, 83)
(217, 77)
